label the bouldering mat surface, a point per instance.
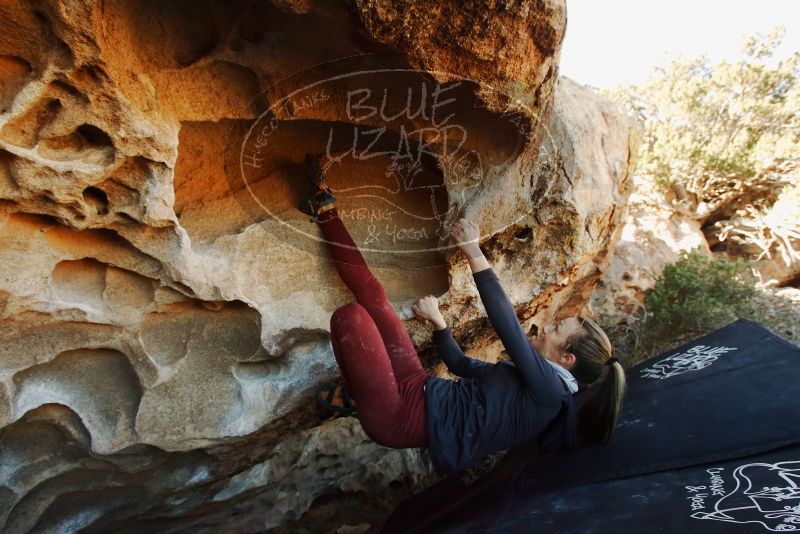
(708, 441)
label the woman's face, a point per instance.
(551, 339)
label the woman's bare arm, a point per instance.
(477, 261)
(465, 234)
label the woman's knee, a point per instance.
(351, 313)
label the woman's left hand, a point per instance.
(427, 308)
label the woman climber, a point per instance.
(494, 406)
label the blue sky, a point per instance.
(609, 41)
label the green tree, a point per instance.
(724, 135)
(697, 294)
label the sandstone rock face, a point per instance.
(164, 308)
(653, 236)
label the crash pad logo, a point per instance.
(694, 359)
(761, 493)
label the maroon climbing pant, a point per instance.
(380, 365)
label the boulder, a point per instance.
(164, 307)
(652, 236)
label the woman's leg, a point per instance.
(369, 293)
(391, 414)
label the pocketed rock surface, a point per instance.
(164, 307)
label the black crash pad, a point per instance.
(708, 441)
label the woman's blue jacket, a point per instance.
(494, 407)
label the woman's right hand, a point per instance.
(465, 234)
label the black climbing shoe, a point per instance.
(319, 193)
(314, 173)
(325, 397)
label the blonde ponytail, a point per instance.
(599, 414)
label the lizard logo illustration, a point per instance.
(764, 493)
(694, 359)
